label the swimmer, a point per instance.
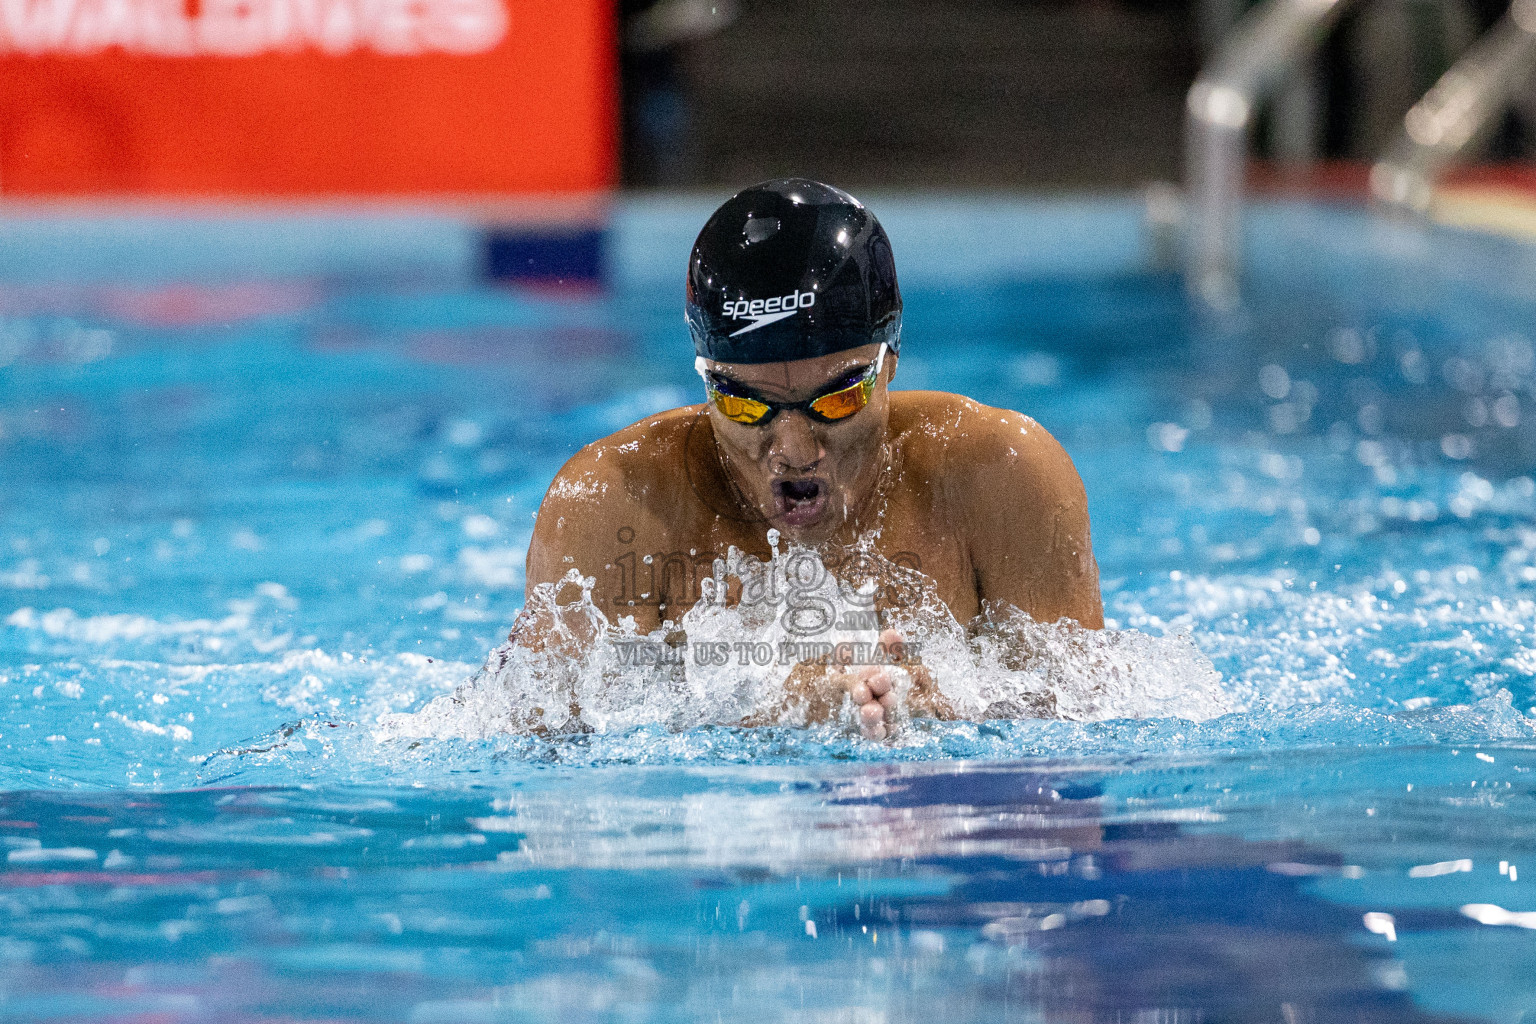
(795, 315)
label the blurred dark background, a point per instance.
(1034, 94)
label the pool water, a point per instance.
(266, 481)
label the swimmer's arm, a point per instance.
(1027, 522)
(574, 529)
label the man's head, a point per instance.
(796, 322)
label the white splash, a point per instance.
(726, 661)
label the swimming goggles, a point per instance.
(740, 405)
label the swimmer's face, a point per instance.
(805, 477)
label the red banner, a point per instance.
(268, 98)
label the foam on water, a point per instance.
(119, 698)
(726, 661)
(1200, 664)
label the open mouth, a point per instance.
(800, 502)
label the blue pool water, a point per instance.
(267, 479)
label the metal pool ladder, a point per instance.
(1265, 47)
(1456, 111)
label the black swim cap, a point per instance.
(791, 269)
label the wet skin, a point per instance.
(984, 501)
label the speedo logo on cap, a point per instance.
(766, 311)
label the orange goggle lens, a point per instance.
(741, 410)
(840, 405)
(828, 408)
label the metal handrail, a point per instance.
(1457, 111)
(1267, 45)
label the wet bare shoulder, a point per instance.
(636, 459)
(1015, 496)
(962, 435)
(608, 484)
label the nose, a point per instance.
(795, 447)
